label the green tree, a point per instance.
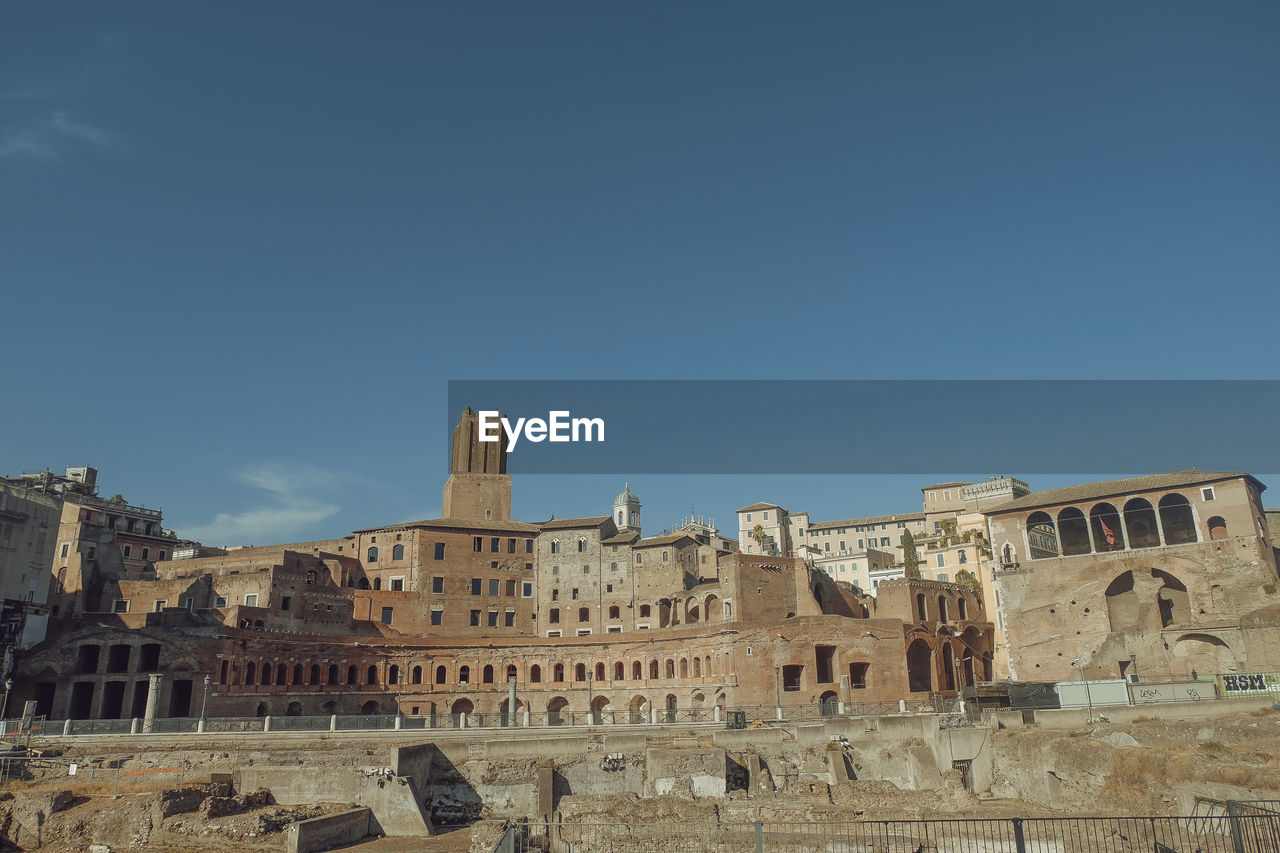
(968, 578)
(910, 559)
(758, 534)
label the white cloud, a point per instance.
(52, 136)
(297, 502)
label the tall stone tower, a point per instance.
(626, 511)
(479, 487)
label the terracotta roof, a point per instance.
(464, 524)
(560, 523)
(621, 539)
(952, 484)
(871, 519)
(760, 505)
(1116, 488)
(664, 539)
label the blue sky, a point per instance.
(243, 248)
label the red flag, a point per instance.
(1107, 531)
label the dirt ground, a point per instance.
(1132, 769)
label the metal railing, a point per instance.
(935, 706)
(1245, 832)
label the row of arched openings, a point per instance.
(1137, 525)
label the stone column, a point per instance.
(153, 700)
(845, 693)
(511, 702)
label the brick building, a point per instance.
(435, 616)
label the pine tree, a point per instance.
(910, 559)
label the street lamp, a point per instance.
(590, 711)
(204, 700)
(1079, 662)
(8, 688)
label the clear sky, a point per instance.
(244, 246)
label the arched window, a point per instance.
(1177, 521)
(599, 672)
(1042, 536)
(464, 674)
(1073, 532)
(266, 672)
(486, 674)
(964, 556)
(416, 675)
(697, 667)
(707, 670)
(282, 673)
(250, 671)
(1217, 527)
(644, 611)
(393, 675)
(297, 673)
(555, 546)
(582, 544)
(653, 669)
(684, 668)
(619, 671)
(535, 674)
(558, 672)
(373, 554)
(919, 667)
(942, 608)
(1140, 524)
(441, 675)
(962, 605)
(333, 674)
(315, 674)
(511, 671)
(671, 668)
(580, 672)
(371, 677)
(637, 671)
(921, 613)
(397, 553)
(351, 674)
(1108, 532)
(584, 614)
(377, 583)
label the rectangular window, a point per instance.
(942, 560)
(555, 633)
(162, 556)
(65, 548)
(511, 546)
(493, 619)
(1207, 493)
(161, 604)
(493, 544)
(475, 618)
(791, 675)
(120, 605)
(528, 546)
(575, 593)
(766, 515)
(397, 584)
(251, 599)
(146, 552)
(494, 584)
(285, 602)
(477, 585)
(437, 585)
(554, 616)
(526, 589)
(528, 567)
(584, 632)
(614, 629)
(387, 613)
(477, 543)
(437, 617)
(128, 549)
(586, 570)
(511, 589)
(439, 550)
(509, 619)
